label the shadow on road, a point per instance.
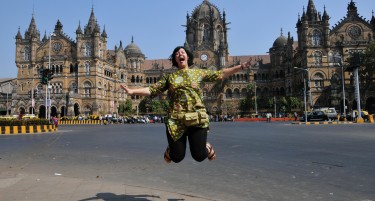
(114, 197)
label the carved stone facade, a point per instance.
(87, 74)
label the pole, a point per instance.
(308, 79)
(357, 93)
(343, 86)
(304, 91)
(274, 100)
(256, 106)
(7, 97)
(32, 94)
(49, 64)
(304, 99)
(48, 95)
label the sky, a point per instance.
(157, 25)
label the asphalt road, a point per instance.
(255, 161)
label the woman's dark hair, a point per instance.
(173, 56)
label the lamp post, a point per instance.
(308, 79)
(117, 96)
(304, 94)
(343, 84)
(32, 95)
(7, 97)
(48, 98)
(256, 104)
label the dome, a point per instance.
(281, 41)
(203, 10)
(132, 48)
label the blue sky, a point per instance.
(156, 25)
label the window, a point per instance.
(26, 53)
(316, 38)
(334, 58)
(87, 68)
(74, 88)
(87, 89)
(87, 49)
(317, 58)
(318, 81)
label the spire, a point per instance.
(58, 27)
(352, 9)
(19, 36)
(304, 16)
(299, 21)
(372, 22)
(325, 15)
(91, 24)
(281, 32)
(45, 36)
(120, 47)
(79, 30)
(32, 30)
(97, 27)
(311, 11)
(104, 33)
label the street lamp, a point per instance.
(256, 106)
(7, 96)
(48, 98)
(343, 83)
(304, 94)
(308, 79)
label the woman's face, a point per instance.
(181, 58)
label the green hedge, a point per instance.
(28, 122)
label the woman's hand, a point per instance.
(247, 64)
(127, 90)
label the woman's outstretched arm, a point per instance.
(144, 91)
(230, 71)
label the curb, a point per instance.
(325, 123)
(10, 130)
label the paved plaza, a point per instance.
(256, 161)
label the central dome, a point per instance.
(281, 41)
(133, 49)
(205, 9)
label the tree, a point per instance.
(367, 72)
(249, 101)
(125, 107)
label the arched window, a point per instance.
(318, 81)
(26, 53)
(87, 49)
(206, 33)
(74, 88)
(228, 93)
(316, 38)
(236, 93)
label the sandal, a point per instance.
(211, 152)
(167, 158)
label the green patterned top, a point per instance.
(185, 95)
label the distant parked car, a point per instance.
(315, 116)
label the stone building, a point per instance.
(318, 49)
(87, 73)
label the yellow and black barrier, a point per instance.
(323, 122)
(9, 130)
(90, 121)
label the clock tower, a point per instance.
(206, 36)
